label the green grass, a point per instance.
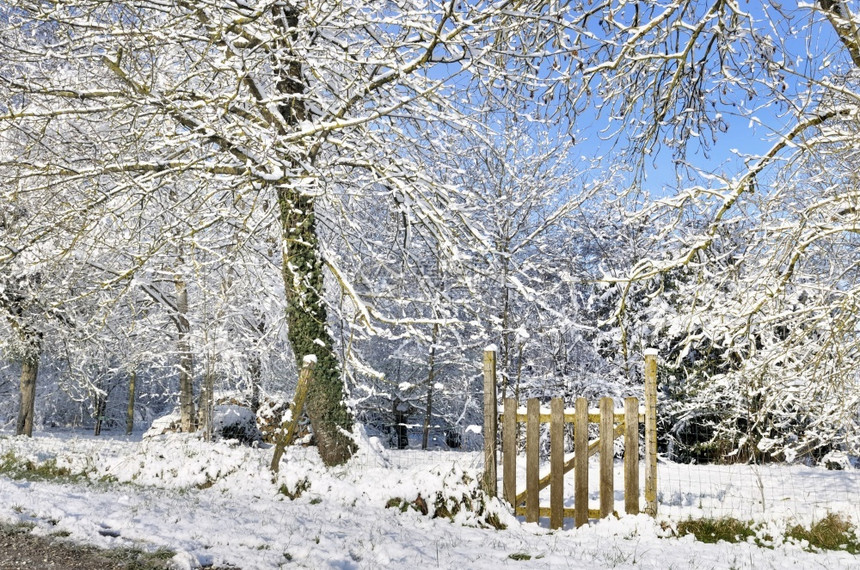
(15, 467)
(714, 530)
(302, 485)
(830, 533)
(136, 559)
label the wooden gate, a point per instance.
(612, 424)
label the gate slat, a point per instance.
(533, 461)
(631, 456)
(509, 451)
(580, 475)
(556, 489)
(607, 452)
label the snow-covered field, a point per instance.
(217, 504)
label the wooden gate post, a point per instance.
(491, 418)
(651, 431)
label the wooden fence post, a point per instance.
(509, 452)
(298, 404)
(580, 463)
(533, 460)
(631, 456)
(491, 414)
(651, 431)
(556, 453)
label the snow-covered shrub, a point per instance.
(165, 424)
(270, 416)
(229, 422)
(235, 422)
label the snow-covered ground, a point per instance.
(217, 504)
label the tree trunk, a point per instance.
(183, 346)
(255, 371)
(129, 415)
(99, 406)
(207, 400)
(303, 268)
(307, 331)
(425, 436)
(401, 419)
(431, 377)
(505, 353)
(29, 371)
(255, 366)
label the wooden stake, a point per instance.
(491, 414)
(298, 403)
(631, 456)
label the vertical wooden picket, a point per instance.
(631, 456)
(556, 441)
(532, 460)
(580, 463)
(509, 451)
(607, 456)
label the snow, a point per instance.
(216, 503)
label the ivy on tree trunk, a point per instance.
(303, 270)
(308, 334)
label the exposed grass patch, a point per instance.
(207, 484)
(302, 485)
(129, 558)
(14, 467)
(61, 534)
(13, 529)
(714, 530)
(137, 559)
(403, 505)
(448, 507)
(830, 533)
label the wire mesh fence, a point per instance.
(775, 491)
